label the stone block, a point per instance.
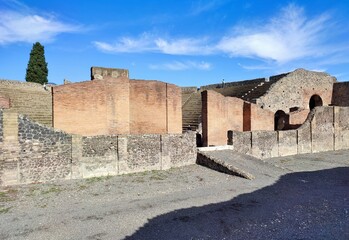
(304, 139)
(287, 142)
(341, 128)
(242, 142)
(322, 130)
(264, 144)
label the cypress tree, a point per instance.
(37, 66)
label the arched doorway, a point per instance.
(315, 101)
(280, 120)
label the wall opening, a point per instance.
(280, 120)
(315, 101)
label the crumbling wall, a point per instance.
(296, 89)
(101, 73)
(27, 98)
(326, 129)
(45, 154)
(31, 152)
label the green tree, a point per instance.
(37, 66)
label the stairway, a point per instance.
(191, 111)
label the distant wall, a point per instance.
(117, 106)
(340, 96)
(325, 129)
(296, 89)
(33, 153)
(27, 98)
(220, 114)
(93, 107)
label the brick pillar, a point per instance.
(10, 149)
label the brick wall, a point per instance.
(220, 114)
(117, 106)
(27, 98)
(261, 119)
(4, 102)
(340, 96)
(148, 107)
(92, 108)
(31, 152)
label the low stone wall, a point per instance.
(326, 129)
(32, 152)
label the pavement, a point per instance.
(296, 197)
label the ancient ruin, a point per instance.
(114, 125)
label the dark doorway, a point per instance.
(280, 120)
(315, 101)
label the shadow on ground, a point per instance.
(303, 205)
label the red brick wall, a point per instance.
(155, 107)
(148, 107)
(174, 109)
(261, 119)
(117, 106)
(92, 108)
(4, 102)
(298, 117)
(220, 114)
(340, 95)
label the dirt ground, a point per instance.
(298, 197)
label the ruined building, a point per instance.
(114, 125)
(277, 103)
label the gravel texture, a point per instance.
(299, 197)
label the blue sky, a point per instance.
(188, 43)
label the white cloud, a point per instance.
(28, 27)
(182, 65)
(150, 43)
(287, 37)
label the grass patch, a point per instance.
(53, 189)
(158, 175)
(8, 195)
(98, 179)
(4, 210)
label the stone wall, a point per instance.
(27, 98)
(296, 89)
(326, 129)
(31, 152)
(340, 96)
(101, 73)
(220, 114)
(45, 154)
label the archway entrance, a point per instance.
(280, 120)
(315, 101)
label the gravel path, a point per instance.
(301, 197)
